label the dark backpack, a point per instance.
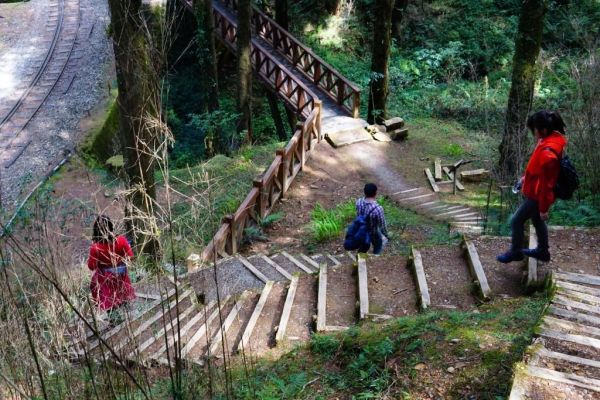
(358, 234)
(568, 180)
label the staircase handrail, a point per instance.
(340, 89)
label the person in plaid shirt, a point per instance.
(368, 206)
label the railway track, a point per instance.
(61, 29)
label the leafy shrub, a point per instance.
(329, 224)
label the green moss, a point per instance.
(99, 145)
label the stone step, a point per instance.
(448, 278)
(348, 137)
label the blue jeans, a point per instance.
(376, 241)
(528, 210)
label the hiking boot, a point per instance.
(509, 256)
(542, 255)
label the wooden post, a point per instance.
(319, 107)
(283, 171)
(341, 85)
(231, 242)
(300, 126)
(260, 201)
(356, 105)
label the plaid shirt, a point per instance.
(377, 218)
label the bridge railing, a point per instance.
(288, 86)
(341, 90)
(267, 189)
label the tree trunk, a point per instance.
(244, 68)
(138, 102)
(397, 16)
(525, 72)
(380, 59)
(207, 52)
(276, 115)
(292, 119)
(281, 13)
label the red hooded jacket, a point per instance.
(542, 170)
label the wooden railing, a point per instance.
(336, 86)
(341, 90)
(267, 189)
(288, 86)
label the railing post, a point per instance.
(302, 144)
(356, 105)
(231, 242)
(341, 89)
(319, 107)
(283, 171)
(260, 201)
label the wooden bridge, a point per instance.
(292, 70)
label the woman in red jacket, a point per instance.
(538, 184)
(110, 286)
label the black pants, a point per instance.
(528, 209)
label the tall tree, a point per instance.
(207, 52)
(382, 41)
(138, 103)
(524, 74)
(244, 68)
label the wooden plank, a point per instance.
(147, 296)
(564, 324)
(322, 299)
(568, 379)
(455, 211)
(564, 301)
(544, 352)
(278, 267)
(203, 329)
(578, 288)
(310, 261)
(173, 338)
(222, 332)
(255, 316)
(363, 287)
(405, 191)
(287, 310)
(135, 317)
(334, 260)
(419, 271)
(437, 169)
(429, 176)
(579, 296)
(297, 263)
(146, 324)
(574, 315)
(578, 278)
(405, 199)
(168, 325)
(477, 270)
(253, 269)
(335, 328)
(459, 185)
(532, 262)
(568, 337)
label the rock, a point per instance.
(393, 123)
(451, 370)
(420, 367)
(399, 134)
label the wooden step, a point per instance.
(569, 379)
(448, 278)
(300, 264)
(420, 279)
(532, 265)
(310, 261)
(252, 268)
(301, 322)
(546, 331)
(477, 271)
(324, 259)
(571, 327)
(391, 287)
(233, 327)
(576, 306)
(342, 296)
(322, 299)
(191, 326)
(590, 280)
(270, 269)
(289, 265)
(287, 309)
(263, 334)
(577, 288)
(363, 287)
(578, 296)
(543, 352)
(576, 316)
(264, 296)
(505, 280)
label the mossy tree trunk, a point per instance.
(215, 142)
(382, 41)
(244, 68)
(525, 72)
(138, 103)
